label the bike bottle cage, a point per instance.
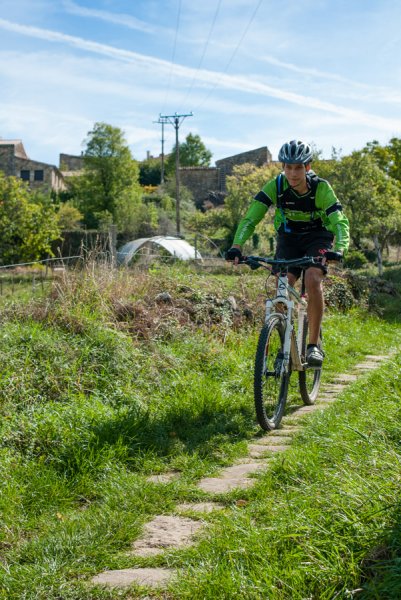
(307, 204)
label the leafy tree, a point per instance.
(388, 157)
(110, 182)
(150, 171)
(28, 222)
(371, 198)
(69, 217)
(193, 153)
(242, 185)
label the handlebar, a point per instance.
(307, 261)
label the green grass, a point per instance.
(89, 409)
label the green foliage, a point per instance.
(69, 217)
(88, 411)
(110, 182)
(28, 222)
(387, 157)
(150, 171)
(242, 185)
(355, 259)
(338, 294)
(193, 153)
(371, 199)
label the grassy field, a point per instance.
(113, 377)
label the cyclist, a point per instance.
(308, 219)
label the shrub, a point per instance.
(355, 259)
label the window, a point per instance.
(25, 174)
(38, 175)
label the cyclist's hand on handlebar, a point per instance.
(330, 255)
(234, 255)
(335, 256)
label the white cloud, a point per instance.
(377, 93)
(214, 78)
(117, 19)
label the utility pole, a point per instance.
(162, 121)
(176, 121)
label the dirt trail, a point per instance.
(166, 532)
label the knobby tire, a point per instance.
(270, 386)
(309, 380)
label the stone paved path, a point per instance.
(166, 532)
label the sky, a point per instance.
(250, 73)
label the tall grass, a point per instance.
(103, 383)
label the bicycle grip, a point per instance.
(335, 256)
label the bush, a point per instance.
(355, 259)
(338, 294)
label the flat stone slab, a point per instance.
(163, 477)
(335, 387)
(201, 507)
(231, 478)
(306, 409)
(127, 577)
(256, 450)
(286, 432)
(367, 366)
(275, 447)
(272, 440)
(346, 377)
(165, 532)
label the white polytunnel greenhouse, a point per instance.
(177, 247)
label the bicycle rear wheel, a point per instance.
(270, 385)
(309, 380)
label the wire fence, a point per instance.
(33, 276)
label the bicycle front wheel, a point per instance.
(309, 380)
(270, 384)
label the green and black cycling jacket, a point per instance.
(327, 212)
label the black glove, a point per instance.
(337, 256)
(233, 253)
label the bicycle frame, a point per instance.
(287, 296)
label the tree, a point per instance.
(242, 185)
(69, 217)
(193, 153)
(28, 222)
(371, 198)
(150, 171)
(110, 182)
(388, 157)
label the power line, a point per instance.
(176, 121)
(162, 121)
(228, 65)
(177, 26)
(204, 51)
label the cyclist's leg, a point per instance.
(316, 243)
(314, 289)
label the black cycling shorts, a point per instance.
(298, 245)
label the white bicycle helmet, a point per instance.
(295, 152)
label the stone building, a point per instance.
(71, 163)
(15, 162)
(208, 184)
(201, 181)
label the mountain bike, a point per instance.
(283, 342)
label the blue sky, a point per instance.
(253, 72)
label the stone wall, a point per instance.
(257, 157)
(7, 159)
(69, 162)
(39, 176)
(206, 182)
(200, 181)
